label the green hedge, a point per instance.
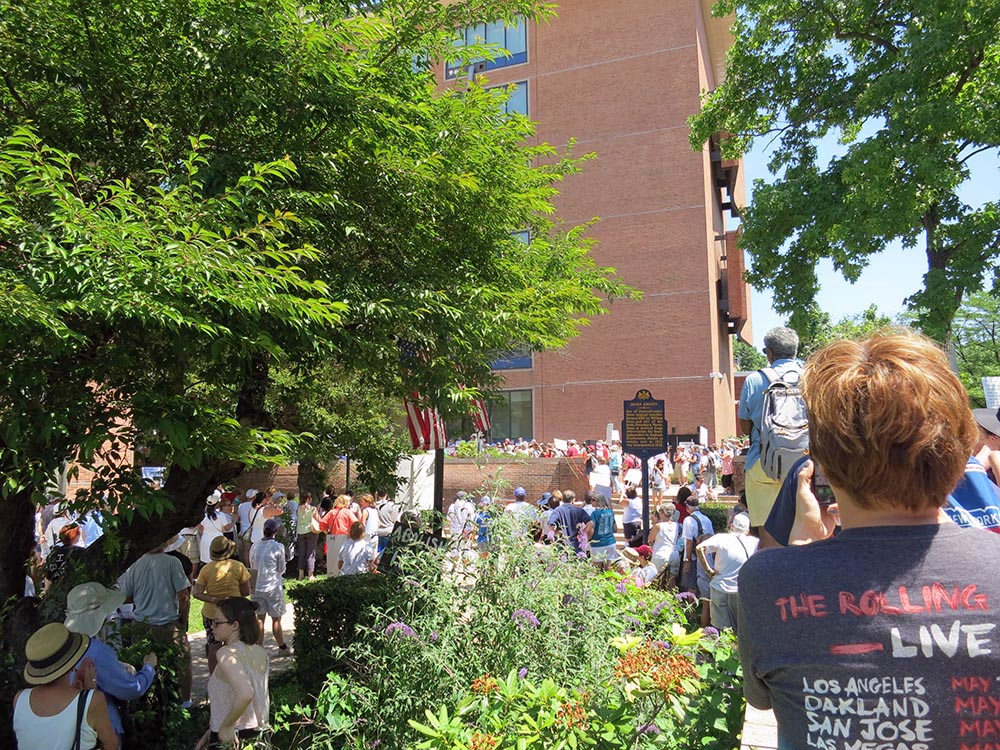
(329, 614)
(717, 514)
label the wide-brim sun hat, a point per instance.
(988, 419)
(88, 606)
(52, 651)
(222, 548)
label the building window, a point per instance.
(517, 100)
(515, 359)
(513, 38)
(511, 416)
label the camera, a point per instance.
(820, 486)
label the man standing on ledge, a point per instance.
(780, 345)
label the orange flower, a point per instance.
(485, 685)
(665, 669)
(572, 714)
(484, 742)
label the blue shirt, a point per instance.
(568, 517)
(604, 527)
(975, 501)
(117, 681)
(752, 403)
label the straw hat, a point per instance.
(88, 605)
(222, 548)
(52, 652)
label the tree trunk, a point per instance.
(312, 477)
(188, 489)
(17, 538)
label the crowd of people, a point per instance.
(862, 562)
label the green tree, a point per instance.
(976, 338)
(127, 319)
(405, 201)
(816, 330)
(908, 89)
(746, 357)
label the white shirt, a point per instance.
(356, 554)
(731, 551)
(268, 559)
(460, 516)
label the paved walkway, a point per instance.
(760, 732)
(280, 661)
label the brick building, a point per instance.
(622, 77)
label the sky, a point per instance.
(890, 277)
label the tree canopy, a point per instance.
(977, 343)
(908, 90)
(336, 206)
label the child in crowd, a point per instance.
(356, 556)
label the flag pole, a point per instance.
(438, 490)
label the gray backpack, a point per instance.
(784, 425)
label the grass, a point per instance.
(194, 616)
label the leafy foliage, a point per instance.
(747, 358)
(130, 317)
(906, 88)
(518, 650)
(976, 338)
(337, 205)
(816, 331)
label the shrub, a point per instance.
(156, 719)
(330, 615)
(527, 636)
(718, 515)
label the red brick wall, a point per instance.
(536, 475)
(622, 78)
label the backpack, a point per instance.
(784, 426)
(615, 462)
(702, 536)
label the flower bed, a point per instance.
(526, 648)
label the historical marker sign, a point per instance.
(644, 429)
(644, 433)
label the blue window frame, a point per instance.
(515, 359)
(513, 38)
(517, 101)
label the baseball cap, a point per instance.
(520, 492)
(251, 494)
(544, 499)
(644, 550)
(271, 525)
(741, 523)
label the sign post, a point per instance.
(644, 434)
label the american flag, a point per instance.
(425, 424)
(480, 416)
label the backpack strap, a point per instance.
(770, 374)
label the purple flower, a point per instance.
(648, 729)
(633, 621)
(687, 596)
(434, 636)
(658, 609)
(404, 630)
(710, 632)
(621, 586)
(662, 645)
(524, 618)
(522, 673)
